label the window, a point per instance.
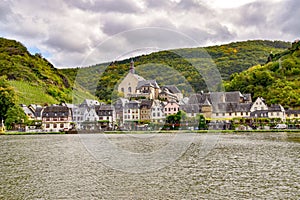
(158, 114)
(47, 125)
(54, 125)
(153, 114)
(129, 89)
(122, 89)
(217, 114)
(169, 109)
(61, 125)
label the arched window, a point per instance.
(129, 89)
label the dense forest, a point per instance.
(190, 69)
(277, 81)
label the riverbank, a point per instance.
(161, 131)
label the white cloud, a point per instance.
(70, 30)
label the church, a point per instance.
(129, 84)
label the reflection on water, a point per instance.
(240, 166)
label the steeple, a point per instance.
(131, 70)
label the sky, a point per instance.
(75, 33)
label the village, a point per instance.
(147, 106)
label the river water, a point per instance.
(194, 166)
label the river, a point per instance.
(150, 166)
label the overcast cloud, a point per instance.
(73, 33)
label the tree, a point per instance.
(15, 115)
(7, 97)
(202, 123)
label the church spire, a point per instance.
(132, 66)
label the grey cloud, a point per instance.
(159, 4)
(5, 11)
(196, 6)
(114, 26)
(288, 17)
(252, 14)
(65, 42)
(120, 6)
(212, 32)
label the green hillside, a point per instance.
(182, 67)
(34, 78)
(278, 81)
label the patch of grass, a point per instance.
(31, 94)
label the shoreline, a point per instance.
(157, 132)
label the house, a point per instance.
(276, 111)
(131, 114)
(132, 111)
(222, 106)
(119, 106)
(191, 110)
(145, 110)
(129, 84)
(170, 93)
(107, 116)
(56, 118)
(170, 108)
(157, 112)
(292, 114)
(260, 109)
(148, 89)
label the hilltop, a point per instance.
(34, 78)
(277, 81)
(178, 66)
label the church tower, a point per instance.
(131, 70)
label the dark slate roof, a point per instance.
(90, 102)
(132, 105)
(26, 110)
(198, 98)
(38, 111)
(292, 112)
(56, 111)
(105, 107)
(232, 107)
(191, 108)
(146, 103)
(151, 83)
(275, 108)
(219, 97)
(172, 88)
(247, 97)
(233, 96)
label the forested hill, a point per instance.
(34, 79)
(176, 66)
(278, 81)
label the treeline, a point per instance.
(278, 81)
